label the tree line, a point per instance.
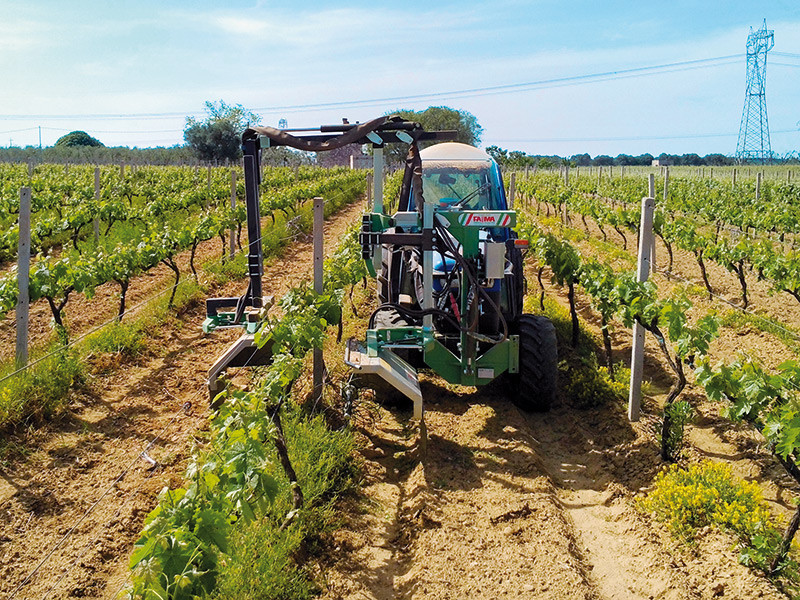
(216, 140)
(517, 159)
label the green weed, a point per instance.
(263, 561)
(709, 495)
(118, 338)
(40, 391)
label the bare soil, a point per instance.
(513, 505)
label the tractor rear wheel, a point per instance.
(535, 386)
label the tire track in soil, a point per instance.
(476, 518)
(73, 460)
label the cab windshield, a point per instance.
(459, 184)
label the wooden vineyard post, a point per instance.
(758, 186)
(651, 190)
(97, 199)
(208, 197)
(122, 170)
(23, 272)
(733, 178)
(232, 244)
(643, 269)
(599, 174)
(319, 218)
(512, 189)
(566, 175)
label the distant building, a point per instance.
(661, 162)
(352, 156)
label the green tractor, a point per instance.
(448, 264)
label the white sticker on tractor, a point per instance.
(485, 219)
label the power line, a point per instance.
(453, 94)
(113, 130)
(527, 86)
(18, 130)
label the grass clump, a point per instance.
(266, 562)
(736, 319)
(40, 391)
(587, 385)
(118, 338)
(231, 269)
(584, 383)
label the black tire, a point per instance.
(388, 279)
(382, 284)
(535, 387)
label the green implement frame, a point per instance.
(376, 355)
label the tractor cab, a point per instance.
(457, 176)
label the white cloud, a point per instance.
(239, 25)
(20, 36)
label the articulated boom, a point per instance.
(448, 267)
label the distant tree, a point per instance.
(519, 160)
(603, 160)
(691, 159)
(668, 159)
(436, 118)
(545, 163)
(218, 136)
(715, 160)
(581, 160)
(282, 156)
(497, 153)
(78, 138)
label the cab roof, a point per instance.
(452, 151)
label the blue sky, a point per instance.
(150, 63)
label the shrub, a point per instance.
(709, 495)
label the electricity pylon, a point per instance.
(753, 144)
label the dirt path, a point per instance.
(71, 465)
(512, 505)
